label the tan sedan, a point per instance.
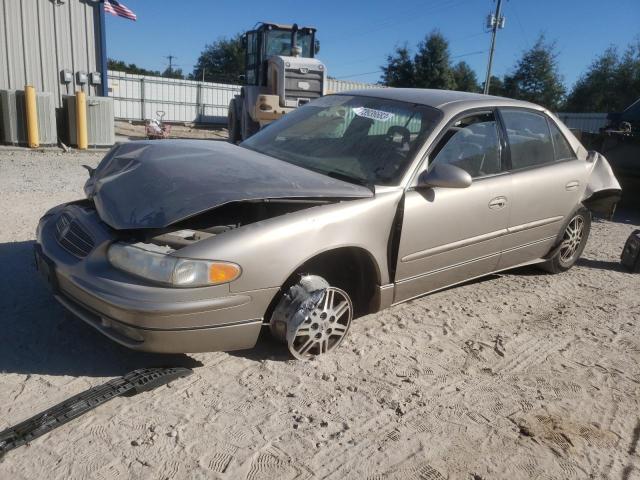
(348, 205)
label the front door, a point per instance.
(453, 234)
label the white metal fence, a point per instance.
(139, 97)
(335, 86)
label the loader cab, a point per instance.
(271, 39)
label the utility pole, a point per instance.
(170, 57)
(494, 22)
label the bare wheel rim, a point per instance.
(325, 326)
(572, 239)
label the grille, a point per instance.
(292, 90)
(72, 237)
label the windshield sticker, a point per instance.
(372, 114)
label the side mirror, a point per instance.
(316, 47)
(445, 176)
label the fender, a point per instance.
(603, 191)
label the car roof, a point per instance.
(441, 99)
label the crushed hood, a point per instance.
(153, 184)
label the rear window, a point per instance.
(529, 139)
(560, 144)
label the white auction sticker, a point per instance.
(372, 114)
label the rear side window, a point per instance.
(529, 139)
(560, 144)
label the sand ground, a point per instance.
(136, 131)
(521, 375)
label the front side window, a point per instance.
(251, 58)
(355, 138)
(472, 144)
(278, 42)
(563, 150)
(529, 138)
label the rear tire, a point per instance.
(572, 242)
(249, 127)
(233, 123)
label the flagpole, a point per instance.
(103, 51)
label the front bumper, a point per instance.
(139, 315)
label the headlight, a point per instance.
(162, 268)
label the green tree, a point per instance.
(173, 73)
(610, 84)
(399, 70)
(465, 78)
(432, 63)
(496, 86)
(536, 77)
(594, 91)
(627, 83)
(120, 66)
(221, 61)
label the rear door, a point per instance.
(453, 234)
(547, 184)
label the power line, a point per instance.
(477, 52)
(371, 57)
(358, 74)
(439, 8)
(524, 35)
(468, 54)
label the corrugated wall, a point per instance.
(139, 97)
(335, 86)
(586, 122)
(40, 38)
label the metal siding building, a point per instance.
(586, 122)
(41, 38)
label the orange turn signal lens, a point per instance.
(220, 272)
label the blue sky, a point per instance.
(356, 36)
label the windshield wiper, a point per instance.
(349, 178)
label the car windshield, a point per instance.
(279, 43)
(365, 140)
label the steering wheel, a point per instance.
(395, 130)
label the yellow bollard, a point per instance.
(81, 121)
(33, 135)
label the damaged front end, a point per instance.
(154, 257)
(603, 191)
(151, 185)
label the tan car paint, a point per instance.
(448, 236)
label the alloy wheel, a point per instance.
(572, 239)
(324, 327)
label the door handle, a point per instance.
(497, 203)
(573, 185)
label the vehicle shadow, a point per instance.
(39, 337)
(627, 215)
(601, 265)
(266, 348)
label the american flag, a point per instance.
(118, 9)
